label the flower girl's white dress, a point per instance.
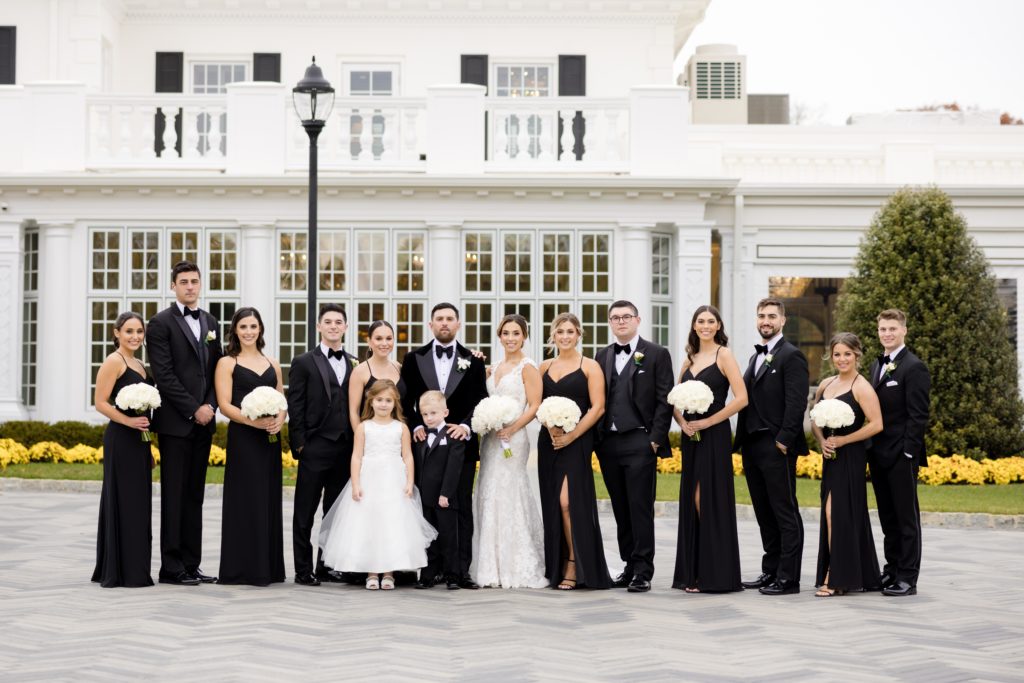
(384, 531)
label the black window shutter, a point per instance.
(474, 70)
(170, 77)
(266, 66)
(8, 35)
(572, 82)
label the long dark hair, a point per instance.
(693, 341)
(235, 346)
(370, 330)
(121, 320)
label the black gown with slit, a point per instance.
(251, 544)
(124, 540)
(573, 465)
(851, 563)
(708, 548)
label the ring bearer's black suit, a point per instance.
(439, 462)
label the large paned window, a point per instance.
(810, 315)
(478, 326)
(661, 289)
(409, 261)
(212, 78)
(369, 80)
(594, 262)
(525, 80)
(479, 249)
(556, 259)
(518, 261)
(29, 316)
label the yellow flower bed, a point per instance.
(955, 469)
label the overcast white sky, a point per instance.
(839, 58)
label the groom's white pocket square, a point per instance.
(774, 371)
(639, 372)
(892, 383)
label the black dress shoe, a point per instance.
(639, 585)
(179, 579)
(622, 580)
(330, 577)
(887, 579)
(760, 582)
(453, 583)
(899, 588)
(199, 576)
(423, 584)
(781, 587)
(307, 580)
(468, 583)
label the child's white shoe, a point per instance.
(387, 583)
(373, 583)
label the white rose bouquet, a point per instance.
(692, 396)
(139, 398)
(830, 414)
(558, 411)
(494, 413)
(264, 402)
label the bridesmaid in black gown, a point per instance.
(124, 540)
(251, 546)
(846, 549)
(381, 338)
(573, 545)
(708, 549)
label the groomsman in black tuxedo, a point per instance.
(184, 346)
(320, 435)
(770, 434)
(632, 435)
(903, 385)
(447, 366)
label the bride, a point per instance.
(508, 549)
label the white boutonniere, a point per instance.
(211, 336)
(354, 362)
(889, 368)
(638, 358)
(768, 359)
(462, 364)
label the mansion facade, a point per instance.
(505, 155)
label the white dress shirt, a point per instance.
(336, 363)
(771, 344)
(892, 356)
(193, 324)
(622, 357)
(443, 365)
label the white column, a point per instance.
(692, 284)
(55, 132)
(455, 129)
(257, 260)
(743, 331)
(256, 122)
(632, 254)
(57, 293)
(659, 117)
(444, 262)
(11, 407)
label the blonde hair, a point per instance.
(378, 388)
(559, 319)
(433, 396)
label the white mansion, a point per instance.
(508, 155)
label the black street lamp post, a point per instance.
(313, 98)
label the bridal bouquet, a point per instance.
(494, 413)
(140, 398)
(264, 402)
(830, 414)
(692, 396)
(558, 411)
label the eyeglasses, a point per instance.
(621, 318)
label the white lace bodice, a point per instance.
(511, 384)
(382, 442)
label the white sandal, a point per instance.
(387, 583)
(372, 583)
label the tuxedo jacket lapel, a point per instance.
(629, 372)
(876, 379)
(748, 376)
(455, 375)
(326, 374)
(609, 366)
(186, 330)
(426, 365)
(762, 372)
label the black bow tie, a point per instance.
(339, 354)
(621, 348)
(194, 312)
(436, 432)
(761, 348)
(884, 360)
(442, 351)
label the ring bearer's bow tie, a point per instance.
(443, 351)
(339, 354)
(621, 348)
(194, 312)
(761, 348)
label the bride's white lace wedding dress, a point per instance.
(508, 546)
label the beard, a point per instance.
(444, 336)
(766, 335)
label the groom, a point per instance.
(770, 434)
(447, 366)
(633, 434)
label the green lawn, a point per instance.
(1008, 499)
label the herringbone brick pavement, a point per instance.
(966, 624)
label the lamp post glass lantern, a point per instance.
(313, 98)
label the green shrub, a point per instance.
(66, 433)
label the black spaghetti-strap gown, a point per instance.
(571, 463)
(400, 385)
(708, 548)
(124, 540)
(251, 544)
(851, 563)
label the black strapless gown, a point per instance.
(708, 547)
(251, 544)
(124, 540)
(851, 563)
(572, 464)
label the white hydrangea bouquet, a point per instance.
(139, 398)
(559, 411)
(830, 414)
(494, 413)
(691, 396)
(264, 402)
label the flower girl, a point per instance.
(377, 525)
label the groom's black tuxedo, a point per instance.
(777, 399)
(464, 390)
(183, 367)
(894, 456)
(635, 403)
(438, 469)
(321, 440)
